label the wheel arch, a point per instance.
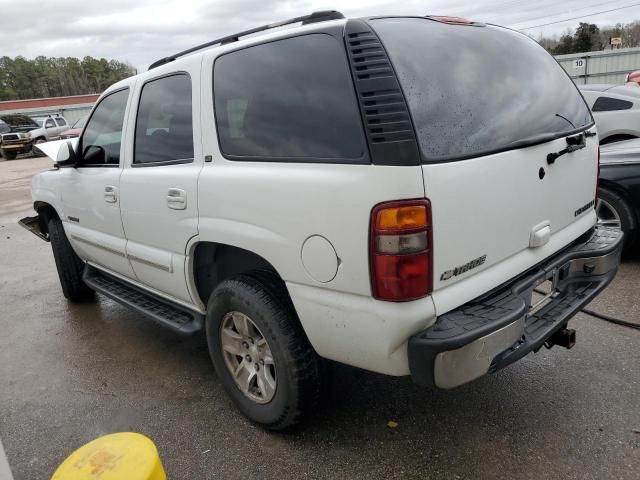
(214, 262)
(616, 136)
(614, 187)
(46, 211)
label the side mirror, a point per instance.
(66, 155)
(94, 155)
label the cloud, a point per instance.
(146, 30)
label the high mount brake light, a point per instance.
(400, 250)
(450, 20)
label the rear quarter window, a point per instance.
(288, 100)
(476, 90)
(609, 104)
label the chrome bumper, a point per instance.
(503, 326)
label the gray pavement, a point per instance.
(69, 373)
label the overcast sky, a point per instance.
(141, 31)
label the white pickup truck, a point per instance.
(342, 189)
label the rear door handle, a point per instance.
(176, 199)
(110, 194)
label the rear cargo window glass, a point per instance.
(608, 104)
(288, 100)
(477, 90)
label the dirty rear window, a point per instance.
(477, 90)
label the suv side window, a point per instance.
(49, 123)
(164, 126)
(609, 104)
(61, 122)
(100, 143)
(288, 100)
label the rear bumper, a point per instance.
(493, 331)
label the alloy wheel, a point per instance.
(248, 357)
(607, 215)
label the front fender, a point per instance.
(43, 192)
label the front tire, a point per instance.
(613, 211)
(68, 264)
(9, 155)
(260, 352)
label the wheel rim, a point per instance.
(607, 215)
(248, 357)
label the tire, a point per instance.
(609, 200)
(262, 298)
(68, 264)
(9, 155)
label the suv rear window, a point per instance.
(288, 100)
(476, 90)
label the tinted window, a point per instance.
(608, 104)
(49, 123)
(100, 143)
(291, 99)
(61, 122)
(164, 130)
(475, 90)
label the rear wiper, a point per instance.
(574, 143)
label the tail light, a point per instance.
(401, 250)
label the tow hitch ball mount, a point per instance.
(565, 338)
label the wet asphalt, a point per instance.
(70, 373)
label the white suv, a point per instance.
(345, 189)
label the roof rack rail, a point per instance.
(321, 16)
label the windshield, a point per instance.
(18, 121)
(80, 122)
(475, 90)
(39, 121)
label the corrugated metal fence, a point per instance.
(607, 66)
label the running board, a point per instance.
(167, 313)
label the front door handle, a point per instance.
(176, 199)
(110, 194)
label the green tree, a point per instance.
(21, 78)
(586, 38)
(565, 45)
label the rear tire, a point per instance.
(68, 264)
(611, 207)
(9, 155)
(295, 373)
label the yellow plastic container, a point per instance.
(118, 456)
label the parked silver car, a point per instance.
(50, 129)
(616, 110)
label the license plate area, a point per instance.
(544, 291)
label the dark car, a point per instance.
(619, 188)
(14, 136)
